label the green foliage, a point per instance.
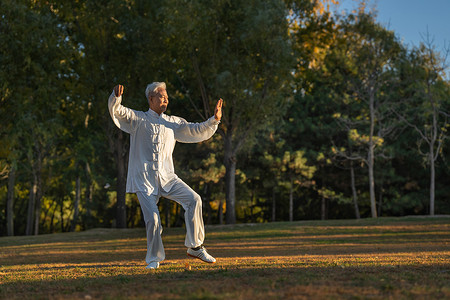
(296, 81)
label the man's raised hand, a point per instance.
(218, 110)
(118, 90)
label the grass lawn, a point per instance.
(385, 258)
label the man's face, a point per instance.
(159, 101)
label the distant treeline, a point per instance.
(326, 115)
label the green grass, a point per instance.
(385, 258)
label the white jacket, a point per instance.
(152, 141)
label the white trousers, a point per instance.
(192, 204)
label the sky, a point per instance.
(410, 19)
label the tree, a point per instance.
(294, 173)
(423, 105)
(367, 64)
(310, 123)
(10, 201)
(238, 51)
(114, 46)
(208, 174)
(31, 76)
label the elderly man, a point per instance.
(150, 167)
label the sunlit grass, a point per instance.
(394, 258)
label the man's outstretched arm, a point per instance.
(124, 118)
(196, 132)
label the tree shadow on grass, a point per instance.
(73, 254)
(431, 280)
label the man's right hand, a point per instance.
(118, 90)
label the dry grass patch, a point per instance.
(393, 258)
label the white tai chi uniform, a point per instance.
(151, 172)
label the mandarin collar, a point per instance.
(154, 113)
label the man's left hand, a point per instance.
(218, 110)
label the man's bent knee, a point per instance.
(197, 200)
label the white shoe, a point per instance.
(201, 254)
(153, 265)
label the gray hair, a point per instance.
(153, 87)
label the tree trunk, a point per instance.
(76, 204)
(433, 139)
(380, 201)
(274, 206)
(121, 213)
(323, 215)
(52, 219)
(354, 194)
(370, 160)
(291, 202)
(31, 205)
(10, 201)
(178, 221)
(61, 213)
(37, 216)
(206, 201)
(167, 212)
(432, 180)
(88, 194)
(220, 213)
(373, 207)
(252, 218)
(230, 179)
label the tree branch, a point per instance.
(189, 97)
(201, 84)
(424, 137)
